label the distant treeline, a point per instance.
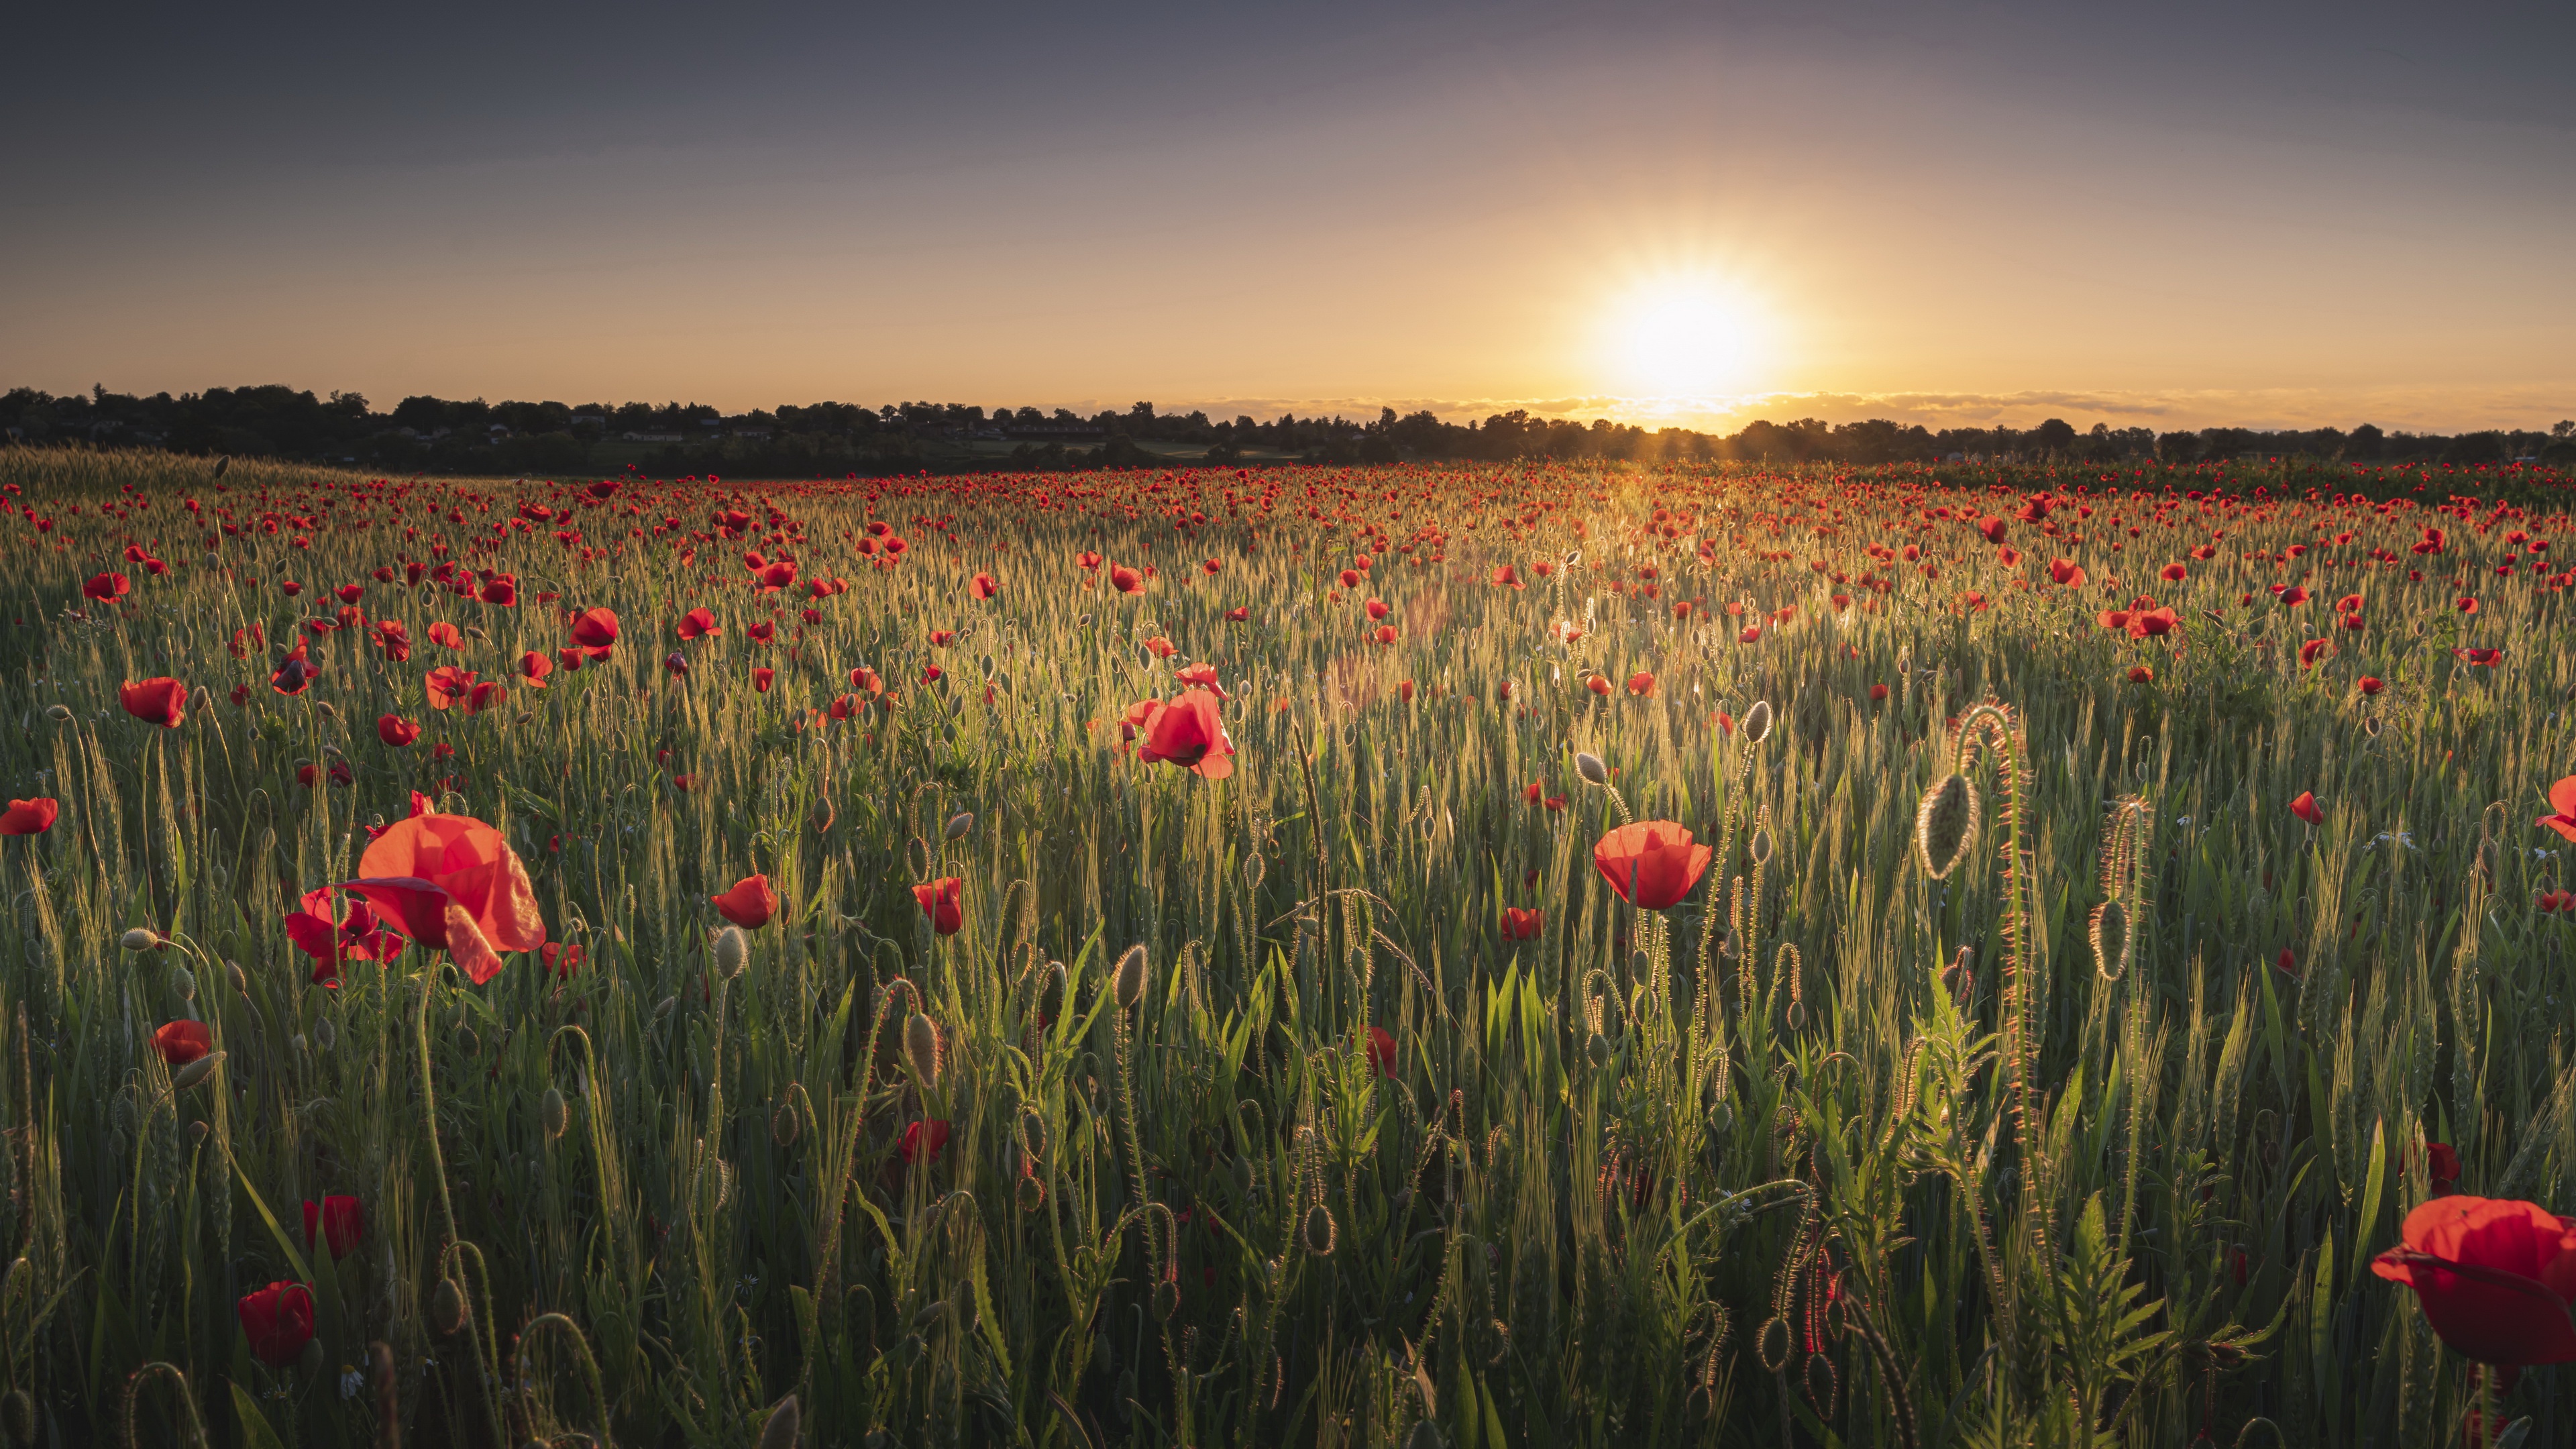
(427, 434)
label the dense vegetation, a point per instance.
(1182, 957)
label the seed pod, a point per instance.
(552, 1114)
(959, 824)
(447, 1308)
(1127, 983)
(921, 1044)
(1945, 825)
(785, 1124)
(778, 1431)
(2370, 725)
(1761, 847)
(139, 938)
(183, 983)
(325, 1035)
(1051, 992)
(729, 951)
(1757, 722)
(1320, 1231)
(1589, 766)
(196, 1071)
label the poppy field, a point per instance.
(1403, 955)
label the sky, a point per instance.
(2168, 215)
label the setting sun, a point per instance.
(1685, 337)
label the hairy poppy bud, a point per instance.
(1757, 722)
(241, 980)
(1598, 1049)
(552, 1114)
(325, 1035)
(785, 1124)
(1242, 1170)
(779, 1430)
(1945, 825)
(196, 1071)
(140, 938)
(1761, 847)
(2110, 932)
(183, 983)
(447, 1308)
(1167, 1300)
(1589, 766)
(57, 713)
(1127, 983)
(1425, 1435)
(730, 950)
(1051, 992)
(663, 1008)
(960, 823)
(930, 1314)
(1033, 1132)
(1320, 1232)
(921, 1044)
(1032, 1194)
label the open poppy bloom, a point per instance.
(330, 940)
(534, 667)
(698, 624)
(1126, 580)
(1521, 925)
(1189, 733)
(2305, 807)
(944, 902)
(923, 1142)
(446, 636)
(1641, 683)
(2562, 809)
(750, 903)
(396, 731)
(30, 817)
(450, 882)
(343, 1221)
(983, 586)
(1508, 577)
(447, 684)
(1651, 864)
(2495, 1278)
(182, 1042)
(1381, 1050)
(560, 959)
(278, 1321)
(595, 632)
(161, 701)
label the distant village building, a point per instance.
(1056, 430)
(654, 437)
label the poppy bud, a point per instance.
(663, 1009)
(784, 1124)
(1425, 1435)
(960, 823)
(677, 663)
(1051, 993)
(1945, 825)
(930, 1314)
(1033, 1131)
(1254, 867)
(1167, 1300)
(325, 1035)
(1320, 1231)
(1127, 983)
(1757, 722)
(241, 980)
(197, 1133)
(183, 982)
(140, 938)
(2110, 932)
(1598, 1049)
(196, 1071)
(552, 1114)
(730, 950)
(1243, 1177)
(1761, 847)
(779, 1430)
(1589, 766)
(1721, 1117)
(921, 1044)
(1032, 1194)
(447, 1308)
(58, 713)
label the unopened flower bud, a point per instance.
(447, 1308)
(921, 1044)
(196, 1071)
(183, 982)
(1757, 722)
(58, 713)
(325, 1035)
(960, 823)
(1761, 848)
(780, 1429)
(1127, 983)
(1589, 766)
(552, 1113)
(140, 938)
(731, 949)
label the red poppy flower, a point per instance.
(698, 624)
(2141, 674)
(29, 817)
(2483, 658)
(451, 882)
(487, 694)
(447, 684)
(534, 667)
(1597, 684)
(1126, 580)
(2174, 573)
(2495, 1278)
(2562, 809)
(343, 1222)
(2370, 684)
(1643, 684)
(394, 640)
(278, 1320)
(182, 1042)
(161, 701)
(1654, 859)
(750, 904)
(1378, 609)
(2305, 807)
(595, 630)
(2468, 606)
(107, 588)
(2152, 623)
(446, 636)
(1188, 732)
(1381, 1051)
(2310, 652)
(1752, 634)
(561, 960)
(1086, 560)
(760, 679)
(1238, 614)
(983, 586)
(1521, 925)
(943, 901)
(1212, 565)
(1507, 577)
(922, 1142)
(331, 939)
(2067, 572)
